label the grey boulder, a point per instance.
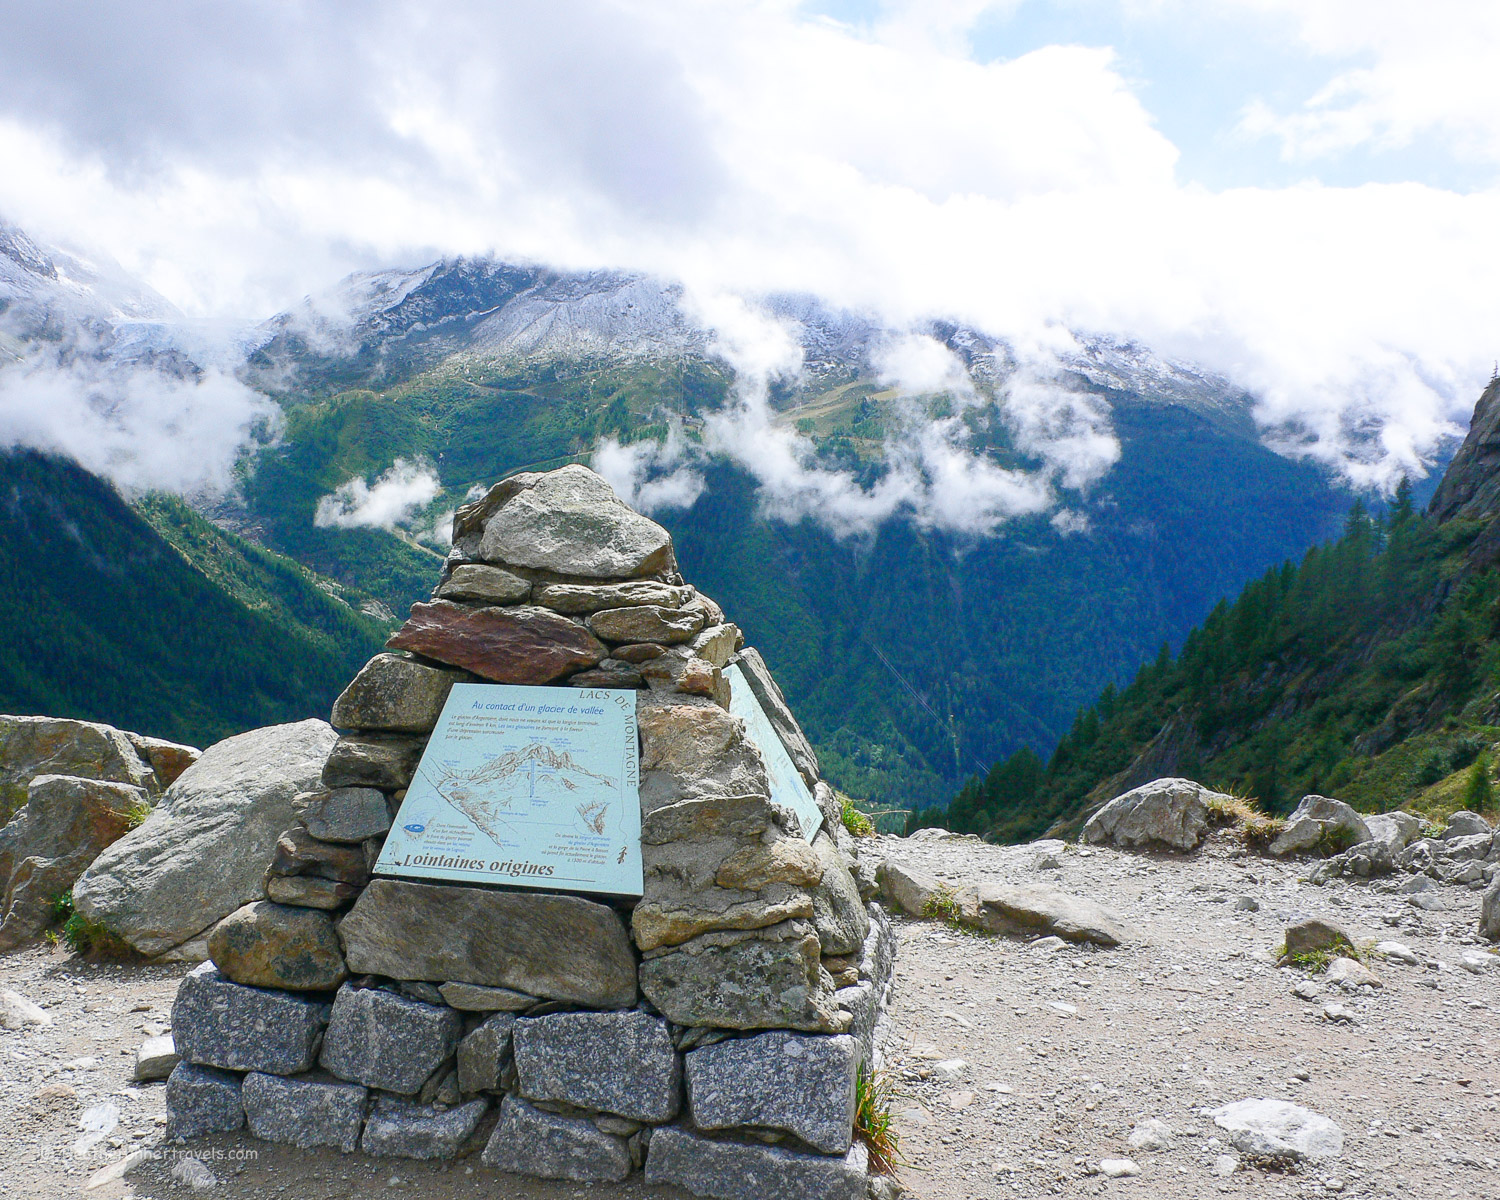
(528, 1141)
(1320, 818)
(777, 1080)
(1166, 812)
(222, 1024)
(387, 1041)
(349, 814)
(401, 1129)
(621, 1063)
(304, 1111)
(1465, 824)
(1489, 911)
(1313, 935)
(570, 522)
(202, 1100)
(485, 1053)
(203, 851)
(838, 913)
(746, 1171)
(155, 1058)
(278, 946)
(32, 746)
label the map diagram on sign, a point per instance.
(525, 786)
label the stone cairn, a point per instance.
(710, 1033)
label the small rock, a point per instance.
(16, 1011)
(278, 946)
(1118, 1168)
(1063, 1010)
(1397, 952)
(1226, 1165)
(405, 1130)
(1313, 935)
(1306, 989)
(1477, 963)
(951, 1068)
(1050, 942)
(1246, 904)
(1338, 1014)
(118, 1169)
(155, 1059)
(95, 1124)
(1275, 1129)
(192, 1172)
(1349, 974)
(474, 997)
(1151, 1134)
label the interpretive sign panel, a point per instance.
(530, 786)
(787, 788)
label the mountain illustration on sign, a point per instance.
(537, 777)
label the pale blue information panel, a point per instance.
(533, 787)
(787, 787)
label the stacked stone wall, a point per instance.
(709, 1033)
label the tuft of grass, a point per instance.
(855, 822)
(874, 1094)
(1333, 840)
(1314, 962)
(1252, 828)
(943, 906)
(84, 937)
(136, 814)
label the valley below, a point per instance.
(1019, 1066)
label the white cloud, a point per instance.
(397, 496)
(139, 428)
(652, 475)
(746, 147)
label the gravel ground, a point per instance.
(1064, 1051)
(1067, 1050)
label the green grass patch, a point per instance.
(856, 822)
(86, 938)
(874, 1095)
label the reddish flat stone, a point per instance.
(523, 644)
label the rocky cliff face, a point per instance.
(1471, 486)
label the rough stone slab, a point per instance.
(528, 1141)
(484, 1054)
(1165, 812)
(611, 673)
(554, 947)
(394, 694)
(222, 1024)
(727, 1170)
(646, 623)
(387, 1041)
(472, 997)
(309, 891)
(372, 761)
(202, 852)
(349, 814)
(32, 746)
(717, 644)
(202, 1100)
(1036, 909)
(66, 824)
(486, 585)
(581, 599)
(570, 522)
(525, 644)
(905, 889)
(1489, 911)
(862, 1002)
(765, 979)
(621, 1063)
(696, 752)
(305, 1111)
(1465, 824)
(400, 1129)
(1314, 818)
(278, 946)
(777, 1080)
(778, 712)
(156, 1058)
(299, 853)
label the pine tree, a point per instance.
(1479, 793)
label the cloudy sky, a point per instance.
(1302, 194)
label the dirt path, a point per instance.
(1189, 1015)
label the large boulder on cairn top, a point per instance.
(552, 947)
(203, 851)
(1320, 820)
(65, 825)
(567, 522)
(1171, 813)
(32, 746)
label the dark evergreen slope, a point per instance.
(104, 619)
(1369, 671)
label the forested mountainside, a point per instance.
(1369, 671)
(154, 619)
(913, 656)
